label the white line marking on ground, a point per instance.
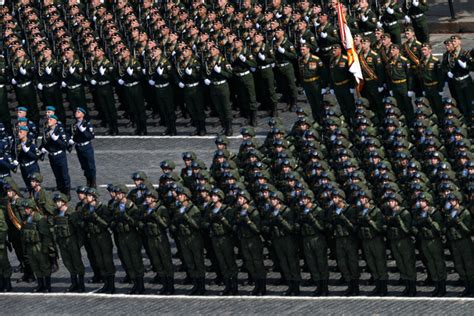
(170, 137)
(248, 298)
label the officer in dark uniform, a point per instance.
(342, 81)
(415, 14)
(5, 117)
(366, 19)
(73, 80)
(54, 144)
(432, 79)
(82, 136)
(391, 13)
(27, 155)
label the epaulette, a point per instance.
(403, 58)
(435, 58)
(315, 57)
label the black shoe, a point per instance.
(376, 290)
(407, 288)
(436, 290)
(111, 285)
(141, 286)
(227, 288)
(467, 290)
(80, 284)
(195, 287)
(170, 286)
(289, 291)
(2, 284)
(134, 288)
(7, 284)
(348, 291)
(40, 287)
(318, 290)
(234, 286)
(253, 119)
(296, 288)
(126, 280)
(263, 287)
(383, 288)
(324, 288)
(202, 286)
(47, 284)
(73, 287)
(96, 279)
(256, 290)
(355, 288)
(442, 289)
(104, 287)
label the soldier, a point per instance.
(124, 222)
(101, 76)
(432, 79)
(411, 49)
(416, 15)
(5, 117)
(242, 62)
(217, 72)
(66, 231)
(458, 232)
(73, 79)
(54, 143)
(189, 74)
(22, 73)
(342, 81)
(159, 72)
(5, 267)
(36, 237)
(95, 218)
(366, 20)
(154, 221)
(48, 77)
(327, 37)
(130, 72)
(391, 12)
(82, 136)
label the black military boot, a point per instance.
(80, 284)
(110, 281)
(296, 288)
(40, 287)
(126, 279)
(289, 291)
(28, 275)
(195, 287)
(407, 288)
(324, 288)
(355, 288)
(202, 286)
(47, 284)
(134, 288)
(202, 130)
(442, 289)
(2, 284)
(170, 283)
(104, 287)
(263, 287)
(7, 284)
(164, 288)
(256, 290)
(412, 290)
(467, 290)
(436, 289)
(253, 121)
(317, 292)
(73, 287)
(383, 288)
(349, 290)
(96, 278)
(235, 286)
(376, 290)
(141, 286)
(228, 128)
(54, 260)
(227, 287)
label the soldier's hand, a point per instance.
(121, 82)
(323, 34)
(22, 71)
(323, 91)
(410, 94)
(48, 70)
(364, 18)
(242, 58)
(450, 75)
(217, 69)
(129, 71)
(181, 85)
(390, 10)
(379, 24)
(63, 84)
(151, 82)
(207, 82)
(102, 70)
(407, 19)
(461, 63)
(281, 50)
(40, 86)
(189, 71)
(261, 56)
(416, 3)
(13, 81)
(302, 41)
(93, 82)
(159, 71)
(72, 69)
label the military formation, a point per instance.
(189, 57)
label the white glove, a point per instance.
(40, 86)
(63, 84)
(281, 50)
(70, 142)
(450, 74)
(364, 18)
(189, 71)
(302, 41)
(144, 71)
(331, 91)
(159, 71)
(151, 82)
(316, 24)
(380, 89)
(72, 69)
(48, 70)
(217, 69)
(93, 82)
(351, 90)
(25, 148)
(257, 26)
(410, 94)
(440, 93)
(323, 91)
(379, 24)
(181, 85)
(54, 137)
(323, 34)
(121, 82)
(129, 71)
(102, 70)
(306, 18)
(242, 58)
(15, 162)
(22, 71)
(82, 128)
(461, 63)
(13, 82)
(391, 93)
(261, 56)
(390, 10)
(407, 19)
(207, 82)
(278, 15)
(44, 151)
(415, 3)
(253, 69)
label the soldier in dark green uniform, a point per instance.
(242, 62)
(411, 50)
(248, 225)
(73, 80)
(459, 231)
(432, 79)
(312, 77)
(188, 76)
(342, 81)
(416, 15)
(312, 223)
(327, 36)
(218, 220)
(370, 230)
(5, 267)
(217, 72)
(124, 221)
(66, 230)
(95, 221)
(5, 117)
(285, 55)
(366, 20)
(391, 13)
(37, 238)
(186, 223)
(428, 222)
(399, 230)
(154, 221)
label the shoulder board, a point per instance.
(403, 58)
(435, 58)
(344, 57)
(315, 57)
(418, 42)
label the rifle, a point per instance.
(12, 217)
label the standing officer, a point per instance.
(5, 267)
(22, 74)
(312, 76)
(285, 55)
(411, 49)
(27, 155)
(432, 79)
(125, 222)
(66, 232)
(48, 77)
(5, 117)
(366, 20)
(73, 80)
(159, 72)
(55, 143)
(36, 237)
(82, 136)
(102, 75)
(416, 15)
(342, 81)
(130, 72)
(189, 75)
(95, 219)
(392, 12)
(327, 37)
